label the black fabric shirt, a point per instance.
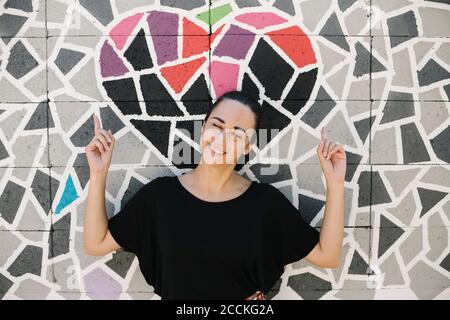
(189, 248)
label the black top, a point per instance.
(189, 248)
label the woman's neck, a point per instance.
(214, 176)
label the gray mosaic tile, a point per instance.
(32, 289)
(124, 6)
(332, 31)
(432, 72)
(285, 5)
(186, 5)
(5, 284)
(423, 276)
(10, 25)
(22, 19)
(402, 25)
(435, 21)
(391, 269)
(100, 9)
(24, 5)
(28, 261)
(412, 246)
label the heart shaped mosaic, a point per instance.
(157, 75)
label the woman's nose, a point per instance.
(220, 135)
(220, 140)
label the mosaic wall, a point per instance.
(376, 73)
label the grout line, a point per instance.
(370, 81)
(370, 141)
(50, 242)
(370, 218)
(118, 166)
(273, 101)
(235, 34)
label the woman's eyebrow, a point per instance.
(235, 127)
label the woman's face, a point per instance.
(228, 133)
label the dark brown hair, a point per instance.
(243, 98)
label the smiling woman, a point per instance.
(211, 233)
(245, 113)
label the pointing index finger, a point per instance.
(323, 134)
(96, 124)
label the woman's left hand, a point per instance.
(332, 158)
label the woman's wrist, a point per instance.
(335, 183)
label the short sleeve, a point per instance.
(132, 223)
(290, 238)
(284, 237)
(298, 237)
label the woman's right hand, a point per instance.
(99, 150)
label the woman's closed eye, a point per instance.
(234, 133)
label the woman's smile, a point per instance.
(215, 150)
